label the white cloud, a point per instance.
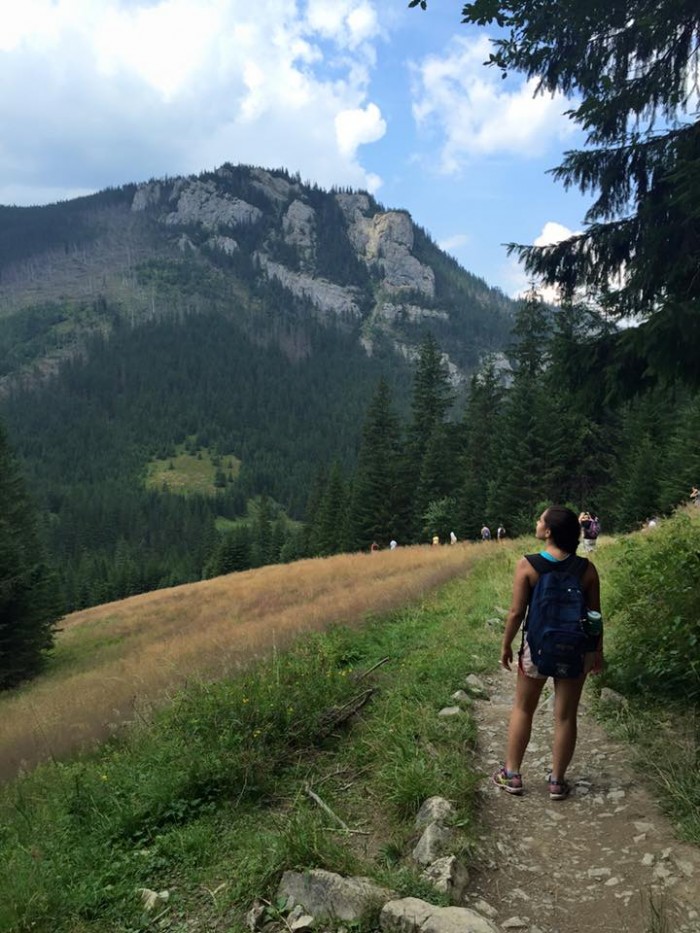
(475, 113)
(552, 232)
(345, 21)
(164, 45)
(355, 127)
(96, 92)
(513, 274)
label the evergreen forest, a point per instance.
(556, 428)
(316, 478)
(131, 337)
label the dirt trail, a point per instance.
(590, 863)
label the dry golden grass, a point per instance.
(115, 660)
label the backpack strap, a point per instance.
(573, 564)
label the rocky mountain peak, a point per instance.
(339, 256)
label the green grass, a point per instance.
(209, 801)
(186, 473)
(210, 798)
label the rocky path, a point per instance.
(605, 860)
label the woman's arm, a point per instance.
(591, 587)
(522, 587)
(591, 590)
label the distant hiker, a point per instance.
(590, 542)
(436, 540)
(557, 577)
(485, 533)
(453, 538)
(374, 547)
(590, 526)
(695, 495)
(500, 533)
(393, 545)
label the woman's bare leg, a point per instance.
(527, 696)
(567, 694)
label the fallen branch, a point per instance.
(373, 668)
(326, 809)
(334, 717)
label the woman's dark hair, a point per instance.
(563, 523)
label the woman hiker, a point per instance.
(558, 529)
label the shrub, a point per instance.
(653, 610)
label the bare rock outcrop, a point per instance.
(272, 186)
(448, 876)
(412, 915)
(195, 202)
(327, 895)
(224, 244)
(328, 297)
(299, 227)
(386, 240)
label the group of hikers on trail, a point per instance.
(486, 533)
(556, 600)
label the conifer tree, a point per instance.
(580, 422)
(640, 447)
(632, 68)
(519, 483)
(232, 553)
(438, 470)
(313, 512)
(680, 464)
(375, 506)
(427, 438)
(638, 487)
(261, 549)
(482, 447)
(28, 599)
(330, 522)
(277, 539)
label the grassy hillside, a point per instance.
(113, 661)
(207, 798)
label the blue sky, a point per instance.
(360, 93)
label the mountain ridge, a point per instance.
(238, 314)
(350, 261)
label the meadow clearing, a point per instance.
(113, 663)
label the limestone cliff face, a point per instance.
(385, 240)
(284, 227)
(382, 240)
(299, 229)
(329, 299)
(195, 202)
(212, 242)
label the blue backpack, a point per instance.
(554, 626)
